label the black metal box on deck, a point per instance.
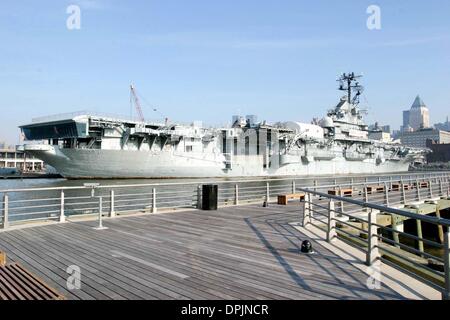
(210, 197)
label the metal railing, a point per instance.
(19, 206)
(71, 115)
(369, 222)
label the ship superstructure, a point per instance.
(88, 145)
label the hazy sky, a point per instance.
(206, 60)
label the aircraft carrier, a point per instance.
(88, 145)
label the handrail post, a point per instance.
(331, 234)
(112, 211)
(430, 187)
(366, 194)
(403, 200)
(199, 197)
(315, 185)
(307, 210)
(448, 185)
(154, 209)
(341, 203)
(100, 214)
(267, 193)
(386, 194)
(446, 293)
(419, 235)
(62, 217)
(441, 188)
(373, 253)
(418, 190)
(236, 194)
(293, 186)
(5, 211)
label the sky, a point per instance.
(207, 60)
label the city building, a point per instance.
(419, 138)
(380, 135)
(418, 117)
(16, 160)
(445, 126)
(440, 152)
(405, 125)
(377, 127)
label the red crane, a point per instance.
(137, 104)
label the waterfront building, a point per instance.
(440, 151)
(419, 138)
(16, 160)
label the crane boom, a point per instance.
(137, 104)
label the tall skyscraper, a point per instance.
(417, 117)
(405, 119)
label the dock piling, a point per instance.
(440, 227)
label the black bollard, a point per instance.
(306, 247)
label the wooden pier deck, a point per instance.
(246, 252)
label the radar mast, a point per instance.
(349, 82)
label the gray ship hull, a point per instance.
(105, 164)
